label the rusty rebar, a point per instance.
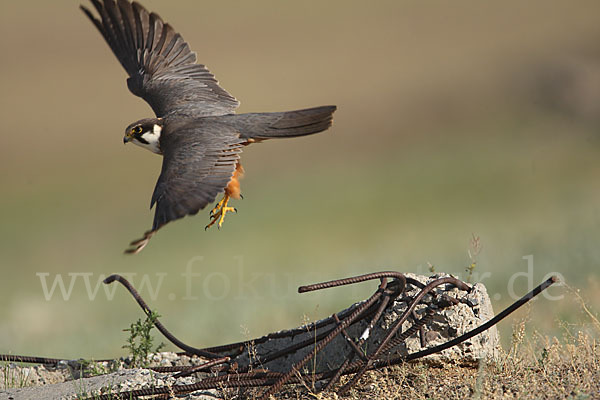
(393, 289)
(30, 359)
(338, 374)
(351, 342)
(398, 324)
(415, 282)
(202, 367)
(283, 334)
(363, 338)
(503, 314)
(361, 311)
(353, 280)
(157, 323)
(346, 322)
(356, 366)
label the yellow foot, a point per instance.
(219, 205)
(218, 213)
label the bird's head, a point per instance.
(145, 133)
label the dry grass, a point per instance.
(540, 368)
(534, 367)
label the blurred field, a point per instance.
(453, 119)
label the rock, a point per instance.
(474, 309)
(72, 389)
(16, 376)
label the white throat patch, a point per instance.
(152, 138)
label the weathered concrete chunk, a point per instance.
(111, 383)
(448, 322)
(474, 309)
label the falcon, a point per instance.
(195, 129)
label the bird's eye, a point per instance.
(137, 129)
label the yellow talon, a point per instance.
(218, 213)
(219, 205)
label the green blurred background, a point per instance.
(454, 119)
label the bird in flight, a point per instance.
(195, 129)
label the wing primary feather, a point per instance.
(157, 34)
(105, 29)
(141, 24)
(116, 21)
(161, 66)
(155, 23)
(110, 35)
(161, 40)
(128, 25)
(118, 24)
(96, 22)
(189, 58)
(178, 47)
(169, 50)
(169, 46)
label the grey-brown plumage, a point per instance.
(195, 128)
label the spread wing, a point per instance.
(162, 69)
(198, 163)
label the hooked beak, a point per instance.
(126, 139)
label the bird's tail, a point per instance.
(284, 124)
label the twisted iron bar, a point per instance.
(250, 380)
(393, 290)
(157, 323)
(398, 324)
(476, 331)
(355, 279)
(30, 360)
(202, 367)
(363, 338)
(374, 307)
(239, 347)
(345, 323)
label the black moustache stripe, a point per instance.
(141, 140)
